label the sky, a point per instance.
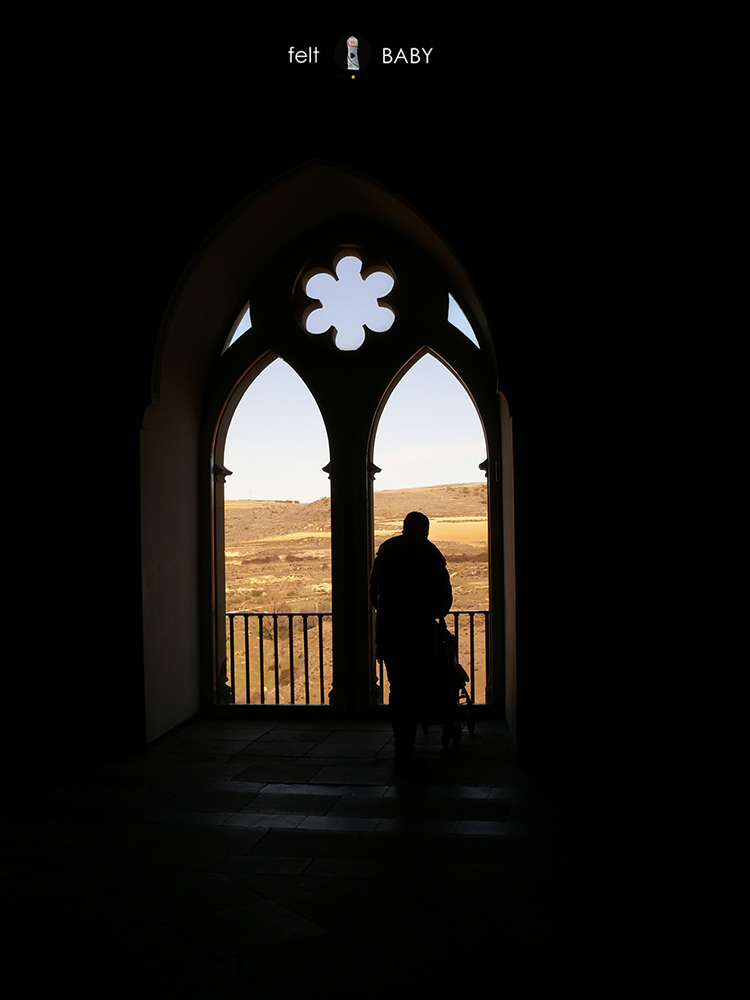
(429, 433)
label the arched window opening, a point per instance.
(241, 325)
(457, 318)
(207, 356)
(429, 448)
(346, 299)
(277, 544)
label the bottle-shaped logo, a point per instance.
(352, 57)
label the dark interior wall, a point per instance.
(590, 199)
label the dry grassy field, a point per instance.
(278, 559)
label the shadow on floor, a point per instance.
(284, 859)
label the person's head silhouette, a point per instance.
(416, 525)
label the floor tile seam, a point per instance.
(355, 791)
(186, 817)
(204, 818)
(132, 817)
(338, 824)
(211, 816)
(265, 821)
(325, 823)
(417, 827)
(453, 793)
(270, 811)
(460, 827)
(378, 808)
(493, 828)
(333, 823)
(170, 787)
(326, 761)
(351, 805)
(485, 875)
(431, 792)
(338, 792)
(383, 831)
(385, 806)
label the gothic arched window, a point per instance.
(361, 320)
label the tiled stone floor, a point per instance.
(267, 859)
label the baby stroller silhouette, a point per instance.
(446, 697)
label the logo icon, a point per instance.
(352, 59)
(353, 54)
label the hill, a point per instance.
(278, 554)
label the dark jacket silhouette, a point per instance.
(410, 588)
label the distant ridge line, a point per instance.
(398, 489)
(437, 486)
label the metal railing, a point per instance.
(477, 666)
(470, 629)
(285, 658)
(272, 660)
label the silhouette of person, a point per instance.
(410, 588)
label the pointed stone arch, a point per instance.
(221, 690)
(401, 373)
(471, 623)
(256, 256)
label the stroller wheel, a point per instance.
(457, 734)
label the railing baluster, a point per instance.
(231, 656)
(261, 661)
(455, 634)
(468, 645)
(486, 652)
(304, 653)
(471, 654)
(246, 622)
(320, 659)
(276, 654)
(291, 659)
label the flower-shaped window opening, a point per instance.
(349, 304)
